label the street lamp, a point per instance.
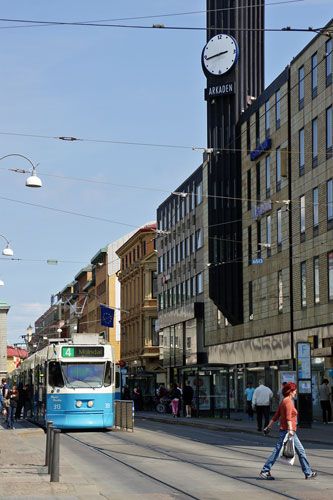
(33, 180)
(8, 252)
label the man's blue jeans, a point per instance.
(298, 448)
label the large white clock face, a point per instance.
(220, 54)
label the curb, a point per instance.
(212, 427)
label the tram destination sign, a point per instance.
(82, 352)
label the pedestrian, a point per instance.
(249, 395)
(261, 401)
(137, 398)
(325, 403)
(13, 397)
(126, 393)
(5, 392)
(175, 397)
(188, 398)
(180, 399)
(287, 414)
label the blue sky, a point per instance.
(132, 85)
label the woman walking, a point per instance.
(175, 397)
(287, 414)
(14, 397)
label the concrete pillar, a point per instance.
(4, 308)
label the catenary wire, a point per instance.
(36, 23)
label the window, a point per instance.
(328, 62)
(199, 283)
(301, 151)
(329, 136)
(302, 217)
(214, 195)
(250, 301)
(278, 169)
(193, 281)
(279, 229)
(280, 292)
(178, 293)
(188, 289)
(258, 238)
(258, 181)
(277, 109)
(160, 302)
(173, 256)
(249, 189)
(316, 280)
(301, 88)
(154, 284)
(182, 250)
(248, 136)
(177, 210)
(249, 244)
(315, 211)
(192, 245)
(268, 234)
(267, 127)
(154, 333)
(303, 284)
(257, 128)
(177, 253)
(330, 204)
(198, 235)
(330, 275)
(268, 176)
(314, 143)
(314, 75)
(198, 193)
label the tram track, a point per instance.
(170, 456)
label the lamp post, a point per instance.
(8, 252)
(32, 181)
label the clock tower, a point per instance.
(233, 62)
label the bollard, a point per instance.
(55, 456)
(49, 461)
(48, 434)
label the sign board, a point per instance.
(219, 90)
(82, 352)
(257, 261)
(304, 360)
(264, 146)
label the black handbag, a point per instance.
(288, 448)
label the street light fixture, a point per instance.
(8, 252)
(33, 180)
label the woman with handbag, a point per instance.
(287, 414)
(175, 397)
(13, 397)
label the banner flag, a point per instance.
(107, 316)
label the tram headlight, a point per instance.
(78, 404)
(90, 404)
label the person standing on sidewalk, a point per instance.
(5, 392)
(287, 414)
(261, 401)
(175, 397)
(14, 397)
(325, 403)
(249, 395)
(187, 398)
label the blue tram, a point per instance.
(73, 383)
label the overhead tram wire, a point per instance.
(37, 24)
(160, 26)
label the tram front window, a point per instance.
(82, 375)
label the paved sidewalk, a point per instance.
(239, 422)
(23, 474)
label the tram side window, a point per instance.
(108, 374)
(55, 375)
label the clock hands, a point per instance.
(215, 55)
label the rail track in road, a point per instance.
(109, 454)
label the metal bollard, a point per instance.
(49, 461)
(48, 441)
(55, 456)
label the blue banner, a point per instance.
(107, 316)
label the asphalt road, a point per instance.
(160, 461)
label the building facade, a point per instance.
(139, 336)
